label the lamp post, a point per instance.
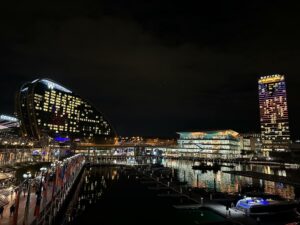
(22, 152)
(55, 165)
(27, 177)
(43, 169)
(43, 180)
(5, 157)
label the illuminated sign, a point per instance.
(61, 139)
(271, 79)
(52, 85)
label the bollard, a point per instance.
(201, 201)
(210, 196)
(168, 184)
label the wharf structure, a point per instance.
(220, 144)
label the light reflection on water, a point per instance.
(225, 182)
(229, 183)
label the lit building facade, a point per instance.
(10, 133)
(48, 109)
(274, 121)
(220, 143)
(9, 130)
(251, 142)
(7, 122)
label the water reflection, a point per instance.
(230, 183)
(224, 182)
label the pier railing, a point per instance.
(52, 186)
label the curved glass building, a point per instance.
(48, 109)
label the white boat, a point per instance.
(260, 206)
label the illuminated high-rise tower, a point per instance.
(274, 120)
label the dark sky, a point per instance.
(156, 67)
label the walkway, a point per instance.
(8, 220)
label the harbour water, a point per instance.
(225, 182)
(229, 183)
(116, 188)
(123, 199)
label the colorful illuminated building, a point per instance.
(220, 143)
(275, 131)
(46, 108)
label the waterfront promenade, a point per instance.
(9, 220)
(163, 179)
(51, 192)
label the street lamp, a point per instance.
(27, 177)
(43, 169)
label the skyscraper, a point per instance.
(46, 108)
(274, 121)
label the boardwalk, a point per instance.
(8, 220)
(66, 173)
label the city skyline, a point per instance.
(260, 105)
(161, 112)
(156, 68)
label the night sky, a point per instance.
(156, 67)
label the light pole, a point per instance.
(43, 169)
(5, 143)
(27, 177)
(43, 176)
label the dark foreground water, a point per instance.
(125, 199)
(229, 183)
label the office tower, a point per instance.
(274, 121)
